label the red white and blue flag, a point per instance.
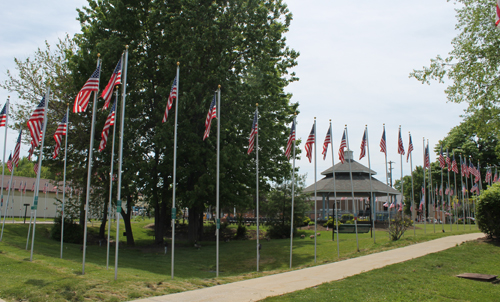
(363, 146)
(110, 121)
(24, 189)
(82, 98)
(116, 79)
(442, 162)
(427, 160)
(3, 116)
(343, 145)
(212, 113)
(328, 140)
(17, 150)
(421, 203)
(410, 148)
(35, 122)
(290, 141)
(253, 133)
(170, 101)
(9, 163)
(488, 175)
(454, 167)
(448, 160)
(383, 147)
(60, 131)
(497, 21)
(310, 141)
(401, 148)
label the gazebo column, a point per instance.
(323, 208)
(327, 206)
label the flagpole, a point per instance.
(120, 162)
(4, 151)
(442, 196)
(334, 192)
(449, 201)
(89, 171)
(463, 193)
(372, 200)
(37, 183)
(387, 177)
(423, 213)
(431, 195)
(352, 190)
(455, 191)
(315, 196)
(8, 197)
(111, 169)
(467, 189)
(402, 181)
(293, 191)
(412, 189)
(218, 169)
(257, 180)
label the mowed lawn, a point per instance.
(144, 270)
(428, 278)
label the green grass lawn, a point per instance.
(428, 278)
(144, 270)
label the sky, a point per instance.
(354, 65)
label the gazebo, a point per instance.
(361, 184)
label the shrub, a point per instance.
(241, 232)
(346, 217)
(488, 211)
(398, 227)
(306, 221)
(279, 231)
(73, 233)
(331, 223)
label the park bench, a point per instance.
(350, 228)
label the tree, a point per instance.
(472, 65)
(238, 44)
(278, 206)
(488, 212)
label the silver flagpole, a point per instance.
(13, 198)
(455, 193)
(387, 179)
(4, 150)
(89, 172)
(120, 162)
(467, 189)
(64, 179)
(218, 165)
(461, 189)
(29, 227)
(424, 207)
(37, 184)
(352, 190)
(315, 196)
(257, 180)
(412, 190)
(334, 193)
(293, 189)
(372, 200)
(111, 169)
(442, 197)
(431, 195)
(402, 182)
(449, 187)
(8, 197)
(174, 180)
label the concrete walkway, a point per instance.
(273, 285)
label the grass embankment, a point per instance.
(144, 270)
(429, 278)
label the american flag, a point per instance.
(30, 151)
(17, 150)
(343, 145)
(382, 143)
(253, 133)
(170, 102)
(35, 122)
(477, 174)
(497, 22)
(60, 131)
(35, 168)
(24, 189)
(290, 141)
(448, 160)
(116, 79)
(471, 168)
(392, 205)
(474, 188)
(464, 189)
(3, 116)
(45, 188)
(442, 162)
(33, 187)
(401, 148)
(328, 140)
(441, 190)
(410, 148)
(495, 178)
(427, 160)
(421, 203)
(92, 84)
(9, 163)
(310, 141)
(454, 167)
(363, 146)
(20, 186)
(488, 175)
(212, 113)
(447, 191)
(110, 121)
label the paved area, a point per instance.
(260, 288)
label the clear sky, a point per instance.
(355, 58)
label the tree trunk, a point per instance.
(126, 221)
(195, 224)
(102, 228)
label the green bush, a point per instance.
(73, 233)
(241, 232)
(279, 231)
(306, 221)
(331, 223)
(346, 217)
(488, 211)
(311, 222)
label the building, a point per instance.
(360, 206)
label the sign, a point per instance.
(174, 212)
(118, 206)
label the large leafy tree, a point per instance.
(237, 44)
